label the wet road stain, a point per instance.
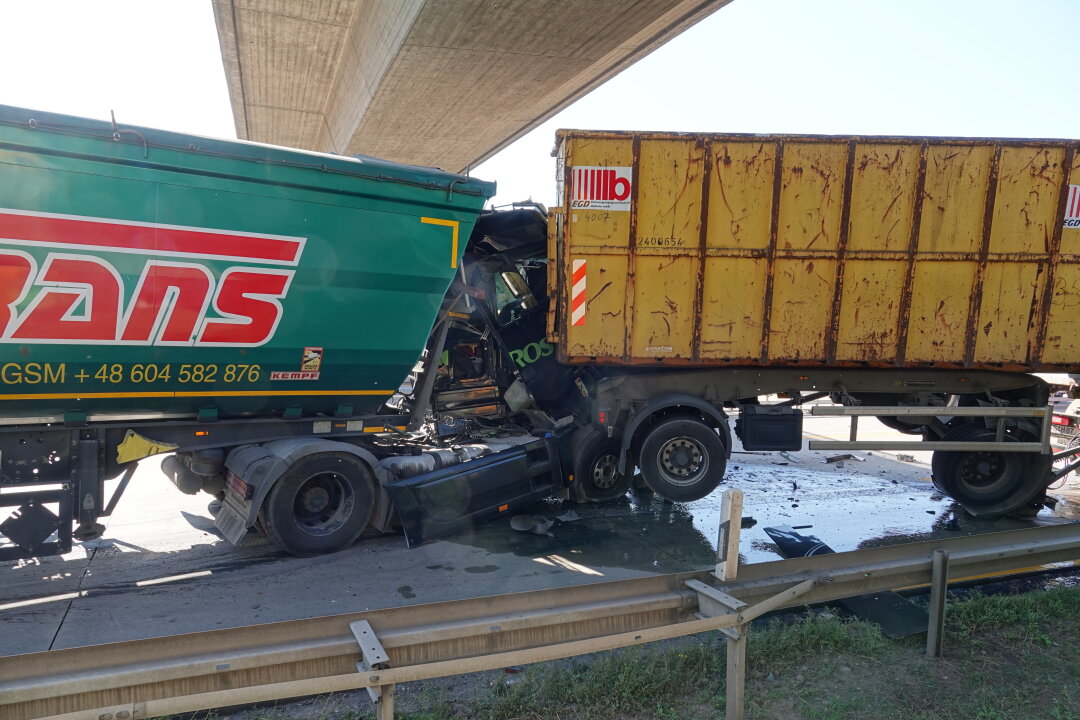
(864, 505)
(638, 532)
(479, 569)
(440, 567)
(406, 592)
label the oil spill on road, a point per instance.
(481, 569)
(638, 532)
(867, 504)
(849, 509)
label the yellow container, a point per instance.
(784, 250)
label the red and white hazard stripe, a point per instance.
(577, 294)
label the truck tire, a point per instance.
(682, 459)
(988, 483)
(895, 423)
(595, 459)
(320, 504)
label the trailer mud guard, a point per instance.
(669, 400)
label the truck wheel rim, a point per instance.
(604, 471)
(323, 503)
(682, 461)
(984, 472)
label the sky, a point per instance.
(868, 67)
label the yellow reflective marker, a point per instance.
(453, 225)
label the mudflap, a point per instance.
(446, 501)
(231, 521)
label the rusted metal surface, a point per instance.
(841, 251)
(703, 244)
(774, 220)
(909, 271)
(631, 245)
(815, 251)
(1055, 253)
(984, 253)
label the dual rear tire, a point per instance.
(984, 482)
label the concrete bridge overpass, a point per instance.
(430, 82)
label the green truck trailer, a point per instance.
(251, 313)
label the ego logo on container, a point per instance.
(602, 188)
(1072, 207)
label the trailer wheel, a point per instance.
(682, 459)
(321, 504)
(988, 483)
(595, 457)
(895, 423)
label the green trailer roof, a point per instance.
(149, 138)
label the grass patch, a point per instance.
(646, 682)
(1017, 617)
(812, 636)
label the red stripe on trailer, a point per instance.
(579, 274)
(143, 238)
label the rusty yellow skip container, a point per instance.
(783, 250)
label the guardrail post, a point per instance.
(713, 602)
(736, 672)
(384, 706)
(939, 589)
(373, 659)
(727, 545)
(716, 603)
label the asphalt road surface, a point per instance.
(161, 568)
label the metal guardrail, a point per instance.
(378, 649)
(1000, 414)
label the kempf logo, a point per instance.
(601, 188)
(1072, 207)
(176, 299)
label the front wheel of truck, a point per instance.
(596, 466)
(682, 459)
(321, 504)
